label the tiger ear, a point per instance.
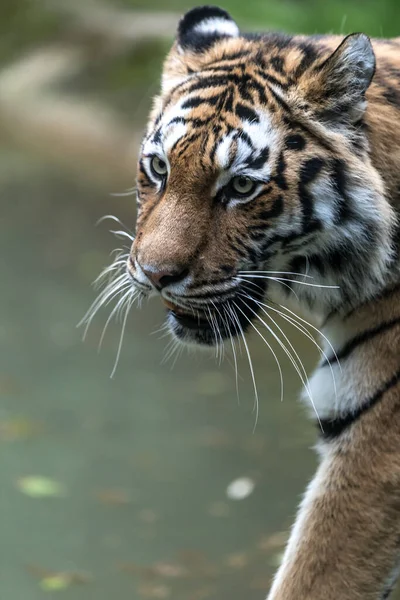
(201, 27)
(198, 30)
(337, 87)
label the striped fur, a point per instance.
(309, 127)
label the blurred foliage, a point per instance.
(30, 23)
(27, 22)
(24, 24)
(379, 18)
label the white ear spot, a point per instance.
(203, 26)
(217, 26)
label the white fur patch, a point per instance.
(173, 133)
(223, 150)
(262, 135)
(216, 25)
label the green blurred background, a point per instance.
(122, 487)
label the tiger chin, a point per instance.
(269, 184)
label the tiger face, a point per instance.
(255, 180)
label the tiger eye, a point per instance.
(243, 186)
(158, 166)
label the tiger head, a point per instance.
(255, 181)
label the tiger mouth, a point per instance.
(186, 319)
(215, 322)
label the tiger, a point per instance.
(268, 182)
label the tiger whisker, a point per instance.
(163, 329)
(299, 366)
(228, 328)
(305, 380)
(214, 331)
(268, 346)
(172, 342)
(256, 400)
(117, 220)
(280, 279)
(172, 348)
(117, 307)
(129, 192)
(178, 354)
(275, 273)
(222, 345)
(117, 264)
(121, 339)
(111, 290)
(297, 317)
(121, 234)
(292, 321)
(246, 281)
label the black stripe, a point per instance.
(249, 82)
(176, 121)
(242, 135)
(315, 261)
(286, 240)
(271, 79)
(197, 101)
(331, 429)
(339, 183)
(246, 114)
(309, 171)
(157, 136)
(260, 161)
(228, 100)
(278, 63)
(275, 211)
(361, 338)
(182, 144)
(279, 100)
(280, 178)
(295, 142)
(310, 55)
(241, 54)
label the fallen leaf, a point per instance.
(53, 581)
(113, 497)
(149, 590)
(19, 428)
(165, 569)
(41, 487)
(237, 561)
(160, 569)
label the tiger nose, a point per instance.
(164, 277)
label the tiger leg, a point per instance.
(345, 542)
